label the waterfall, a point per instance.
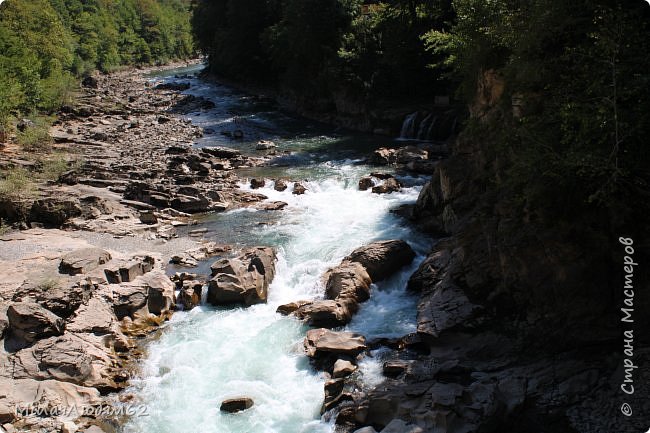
(432, 128)
(408, 127)
(423, 131)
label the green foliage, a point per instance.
(52, 167)
(36, 137)
(46, 45)
(580, 69)
(4, 228)
(16, 184)
(315, 49)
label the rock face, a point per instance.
(516, 321)
(83, 261)
(60, 298)
(30, 322)
(54, 211)
(238, 404)
(244, 279)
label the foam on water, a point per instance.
(208, 354)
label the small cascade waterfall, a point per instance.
(408, 127)
(423, 130)
(428, 126)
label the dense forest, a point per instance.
(576, 73)
(47, 45)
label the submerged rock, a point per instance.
(238, 404)
(298, 189)
(291, 307)
(257, 183)
(388, 186)
(365, 183)
(280, 185)
(265, 144)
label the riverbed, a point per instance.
(208, 354)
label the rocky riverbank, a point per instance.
(85, 278)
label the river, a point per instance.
(205, 355)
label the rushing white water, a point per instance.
(208, 354)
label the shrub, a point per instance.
(36, 137)
(17, 184)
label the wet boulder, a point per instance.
(408, 154)
(342, 368)
(272, 205)
(298, 189)
(365, 183)
(190, 294)
(349, 280)
(388, 186)
(347, 285)
(265, 145)
(257, 183)
(238, 404)
(280, 185)
(291, 307)
(383, 156)
(323, 341)
(327, 313)
(244, 279)
(384, 258)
